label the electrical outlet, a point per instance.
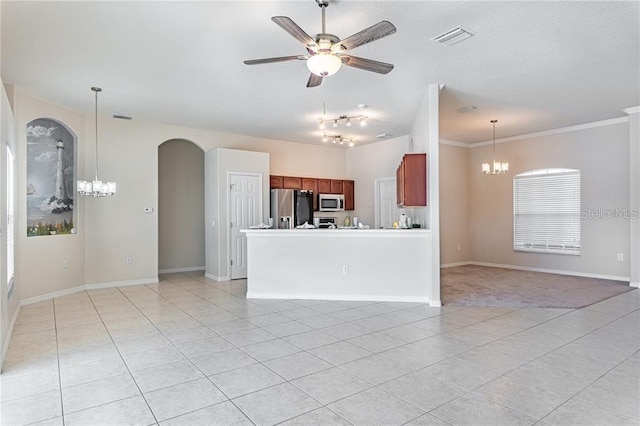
(65, 263)
(620, 257)
(345, 270)
(129, 260)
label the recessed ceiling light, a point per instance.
(469, 108)
(453, 36)
(362, 106)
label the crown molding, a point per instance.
(632, 110)
(453, 143)
(560, 130)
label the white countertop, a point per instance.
(415, 232)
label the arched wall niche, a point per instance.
(181, 227)
(51, 159)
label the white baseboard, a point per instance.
(96, 286)
(634, 284)
(189, 269)
(343, 297)
(552, 271)
(216, 278)
(5, 346)
(451, 265)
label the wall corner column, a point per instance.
(634, 194)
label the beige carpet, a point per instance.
(472, 285)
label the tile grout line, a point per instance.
(179, 350)
(55, 325)
(121, 357)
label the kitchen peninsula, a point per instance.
(340, 264)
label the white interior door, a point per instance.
(245, 210)
(386, 203)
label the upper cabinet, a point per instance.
(275, 182)
(318, 186)
(336, 187)
(349, 194)
(411, 180)
(289, 182)
(324, 186)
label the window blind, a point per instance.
(546, 211)
(10, 215)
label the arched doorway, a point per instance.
(181, 234)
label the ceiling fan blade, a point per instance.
(373, 33)
(278, 59)
(366, 64)
(314, 80)
(292, 28)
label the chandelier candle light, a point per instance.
(498, 167)
(97, 188)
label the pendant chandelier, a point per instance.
(96, 188)
(498, 167)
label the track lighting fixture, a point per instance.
(338, 139)
(343, 118)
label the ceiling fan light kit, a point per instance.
(324, 64)
(326, 52)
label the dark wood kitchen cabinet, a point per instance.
(289, 182)
(311, 184)
(348, 186)
(275, 182)
(324, 186)
(411, 180)
(336, 187)
(318, 186)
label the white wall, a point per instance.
(110, 229)
(180, 206)
(218, 164)
(634, 193)
(425, 137)
(39, 269)
(454, 204)
(602, 156)
(365, 164)
(8, 306)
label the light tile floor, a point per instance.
(190, 351)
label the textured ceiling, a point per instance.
(532, 66)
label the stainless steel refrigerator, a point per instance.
(291, 208)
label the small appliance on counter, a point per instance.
(291, 208)
(326, 222)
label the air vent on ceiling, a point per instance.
(469, 108)
(383, 135)
(453, 36)
(121, 117)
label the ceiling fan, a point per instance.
(326, 51)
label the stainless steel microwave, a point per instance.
(330, 202)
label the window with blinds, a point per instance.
(10, 227)
(546, 211)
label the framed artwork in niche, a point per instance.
(51, 149)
